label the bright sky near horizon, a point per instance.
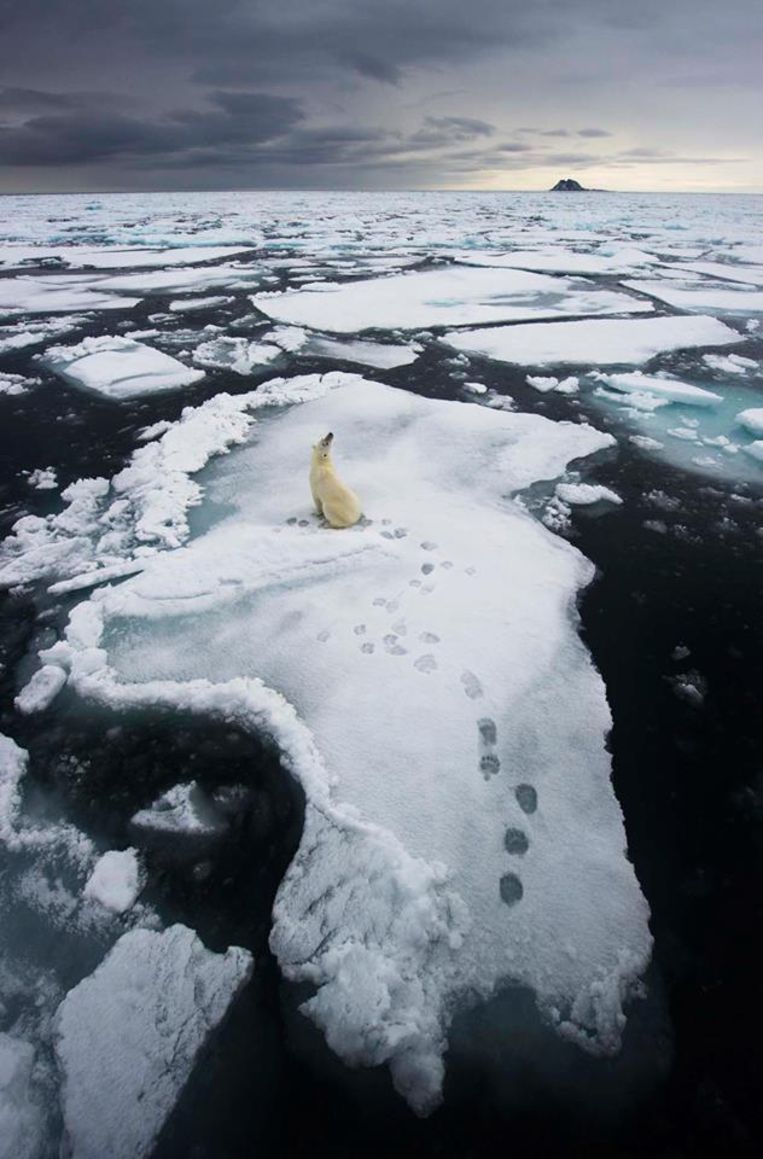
(356, 94)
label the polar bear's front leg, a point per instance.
(317, 502)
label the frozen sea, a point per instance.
(440, 835)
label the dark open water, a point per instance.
(689, 779)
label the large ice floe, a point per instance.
(128, 1037)
(599, 341)
(56, 295)
(449, 296)
(119, 368)
(422, 677)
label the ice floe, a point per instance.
(690, 295)
(31, 333)
(56, 295)
(116, 880)
(751, 420)
(128, 1037)
(189, 305)
(661, 388)
(43, 479)
(427, 685)
(118, 368)
(112, 257)
(584, 494)
(561, 261)
(598, 341)
(12, 385)
(449, 296)
(236, 354)
(41, 689)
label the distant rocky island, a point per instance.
(569, 185)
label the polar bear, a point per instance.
(339, 506)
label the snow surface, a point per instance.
(597, 341)
(449, 296)
(119, 368)
(428, 687)
(129, 1035)
(22, 1118)
(116, 880)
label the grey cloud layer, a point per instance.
(258, 88)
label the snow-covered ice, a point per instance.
(552, 260)
(455, 295)
(128, 1037)
(116, 880)
(189, 305)
(112, 257)
(184, 809)
(43, 479)
(119, 368)
(41, 689)
(751, 420)
(701, 295)
(544, 384)
(661, 388)
(32, 332)
(427, 685)
(22, 1118)
(382, 355)
(56, 295)
(598, 341)
(584, 494)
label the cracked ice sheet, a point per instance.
(605, 341)
(442, 704)
(129, 1035)
(444, 297)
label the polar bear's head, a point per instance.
(322, 449)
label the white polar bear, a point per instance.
(339, 506)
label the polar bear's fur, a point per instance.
(339, 506)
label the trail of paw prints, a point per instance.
(516, 843)
(490, 762)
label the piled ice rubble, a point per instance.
(427, 685)
(129, 1035)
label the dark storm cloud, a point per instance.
(278, 71)
(74, 137)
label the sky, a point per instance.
(380, 94)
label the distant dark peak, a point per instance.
(568, 185)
